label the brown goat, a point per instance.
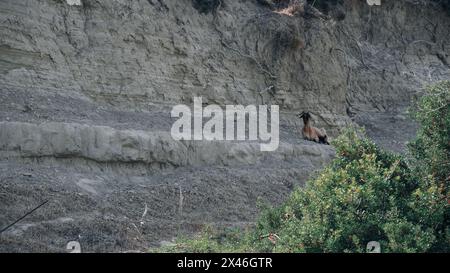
(312, 133)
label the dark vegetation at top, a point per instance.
(206, 6)
(325, 5)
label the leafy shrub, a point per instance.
(430, 153)
(432, 145)
(366, 194)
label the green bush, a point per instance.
(365, 194)
(432, 145)
(430, 153)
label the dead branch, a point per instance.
(224, 44)
(258, 64)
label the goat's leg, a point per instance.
(324, 140)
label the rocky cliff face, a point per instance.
(86, 92)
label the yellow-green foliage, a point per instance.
(432, 145)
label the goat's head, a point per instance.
(306, 116)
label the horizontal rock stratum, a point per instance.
(106, 144)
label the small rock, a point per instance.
(167, 244)
(26, 108)
(400, 117)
